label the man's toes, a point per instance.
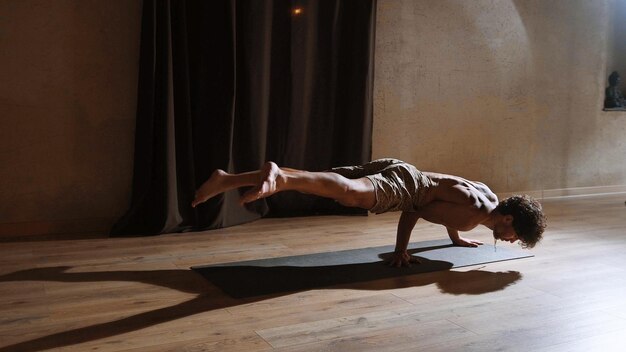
(196, 202)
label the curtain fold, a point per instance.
(231, 84)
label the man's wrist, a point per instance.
(454, 236)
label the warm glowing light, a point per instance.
(297, 11)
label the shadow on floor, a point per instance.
(210, 296)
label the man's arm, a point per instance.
(461, 241)
(405, 227)
(454, 217)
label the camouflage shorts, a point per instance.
(399, 186)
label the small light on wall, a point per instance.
(297, 11)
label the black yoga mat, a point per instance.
(304, 272)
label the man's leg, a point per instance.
(221, 181)
(272, 179)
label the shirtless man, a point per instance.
(393, 185)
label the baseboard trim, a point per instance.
(569, 192)
(91, 226)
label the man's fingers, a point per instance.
(468, 243)
(196, 202)
(402, 261)
(397, 263)
(415, 260)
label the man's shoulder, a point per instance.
(483, 198)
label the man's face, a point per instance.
(503, 230)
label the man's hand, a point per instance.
(461, 241)
(401, 259)
(466, 242)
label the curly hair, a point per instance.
(529, 222)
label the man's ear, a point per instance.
(508, 219)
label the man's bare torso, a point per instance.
(457, 203)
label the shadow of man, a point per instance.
(211, 296)
(300, 273)
(232, 284)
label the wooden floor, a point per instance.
(137, 294)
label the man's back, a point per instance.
(457, 203)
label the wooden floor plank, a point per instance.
(409, 337)
(138, 294)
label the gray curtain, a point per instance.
(232, 84)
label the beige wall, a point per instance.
(508, 92)
(68, 73)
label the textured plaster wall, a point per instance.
(508, 92)
(67, 100)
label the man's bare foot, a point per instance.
(210, 188)
(270, 182)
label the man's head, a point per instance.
(520, 218)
